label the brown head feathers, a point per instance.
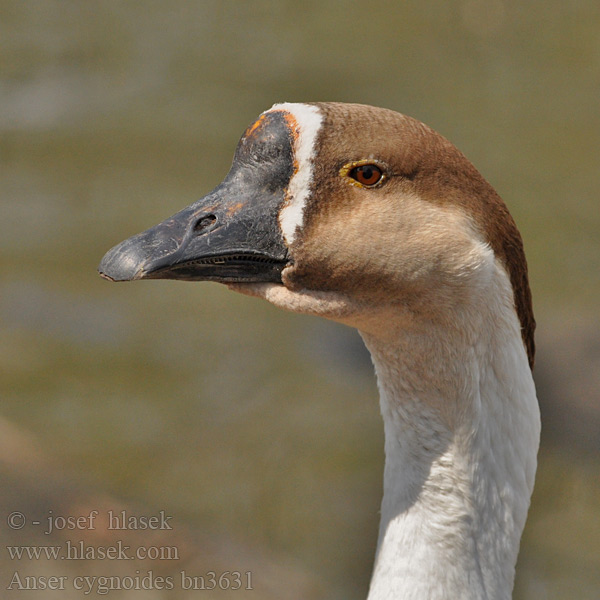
(437, 171)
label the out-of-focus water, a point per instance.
(240, 419)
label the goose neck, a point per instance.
(461, 426)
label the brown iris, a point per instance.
(366, 175)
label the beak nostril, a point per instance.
(204, 223)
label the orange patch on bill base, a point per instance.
(293, 128)
(290, 121)
(231, 210)
(255, 126)
(292, 124)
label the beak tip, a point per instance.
(121, 263)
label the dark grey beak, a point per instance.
(230, 235)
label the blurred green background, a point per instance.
(255, 428)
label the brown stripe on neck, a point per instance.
(464, 186)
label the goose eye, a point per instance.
(367, 175)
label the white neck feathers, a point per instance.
(461, 436)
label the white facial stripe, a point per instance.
(308, 119)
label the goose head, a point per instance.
(346, 211)
(369, 217)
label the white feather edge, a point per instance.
(309, 119)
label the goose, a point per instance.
(370, 218)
